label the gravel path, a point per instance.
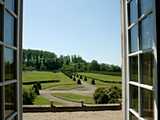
(84, 89)
(100, 115)
(50, 97)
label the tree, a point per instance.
(48, 61)
(94, 66)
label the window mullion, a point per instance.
(3, 67)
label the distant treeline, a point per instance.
(49, 61)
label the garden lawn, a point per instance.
(102, 77)
(74, 97)
(29, 76)
(65, 81)
(40, 100)
(103, 84)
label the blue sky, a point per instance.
(89, 28)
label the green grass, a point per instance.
(39, 100)
(102, 77)
(42, 75)
(74, 97)
(107, 73)
(107, 85)
(63, 86)
(65, 82)
(102, 84)
(27, 87)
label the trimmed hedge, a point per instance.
(68, 73)
(40, 81)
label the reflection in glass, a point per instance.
(147, 31)
(9, 29)
(134, 97)
(10, 67)
(10, 99)
(133, 35)
(147, 68)
(1, 97)
(1, 22)
(132, 117)
(134, 68)
(133, 13)
(1, 63)
(10, 4)
(147, 104)
(145, 5)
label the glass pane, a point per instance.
(133, 35)
(132, 10)
(147, 104)
(15, 118)
(132, 117)
(10, 99)
(9, 29)
(1, 64)
(147, 32)
(10, 4)
(147, 68)
(145, 5)
(1, 22)
(1, 109)
(10, 67)
(134, 97)
(134, 68)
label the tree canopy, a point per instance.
(44, 60)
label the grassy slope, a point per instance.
(102, 77)
(40, 100)
(74, 97)
(41, 75)
(102, 84)
(65, 82)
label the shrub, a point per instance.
(114, 94)
(103, 95)
(100, 96)
(35, 88)
(39, 85)
(81, 77)
(93, 82)
(79, 82)
(74, 79)
(28, 97)
(85, 79)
